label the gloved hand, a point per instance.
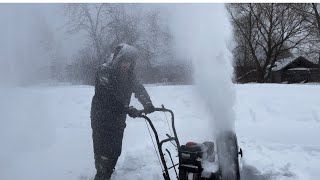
(149, 108)
(133, 112)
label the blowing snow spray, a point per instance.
(202, 32)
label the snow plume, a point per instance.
(202, 32)
(28, 45)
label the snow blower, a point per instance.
(199, 161)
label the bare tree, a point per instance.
(124, 25)
(311, 15)
(243, 61)
(269, 31)
(91, 19)
(110, 24)
(156, 42)
(317, 17)
(105, 24)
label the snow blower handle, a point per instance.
(143, 112)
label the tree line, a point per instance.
(265, 33)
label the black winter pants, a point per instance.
(107, 145)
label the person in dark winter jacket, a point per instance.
(114, 86)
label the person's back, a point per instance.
(114, 86)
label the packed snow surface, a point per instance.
(46, 134)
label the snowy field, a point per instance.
(45, 132)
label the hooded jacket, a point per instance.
(112, 94)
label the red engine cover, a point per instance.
(191, 144)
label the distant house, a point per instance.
(295, 70)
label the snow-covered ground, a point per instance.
(45, 132)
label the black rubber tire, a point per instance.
(183, 175)
(227, 149)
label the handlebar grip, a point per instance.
(141, 112)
